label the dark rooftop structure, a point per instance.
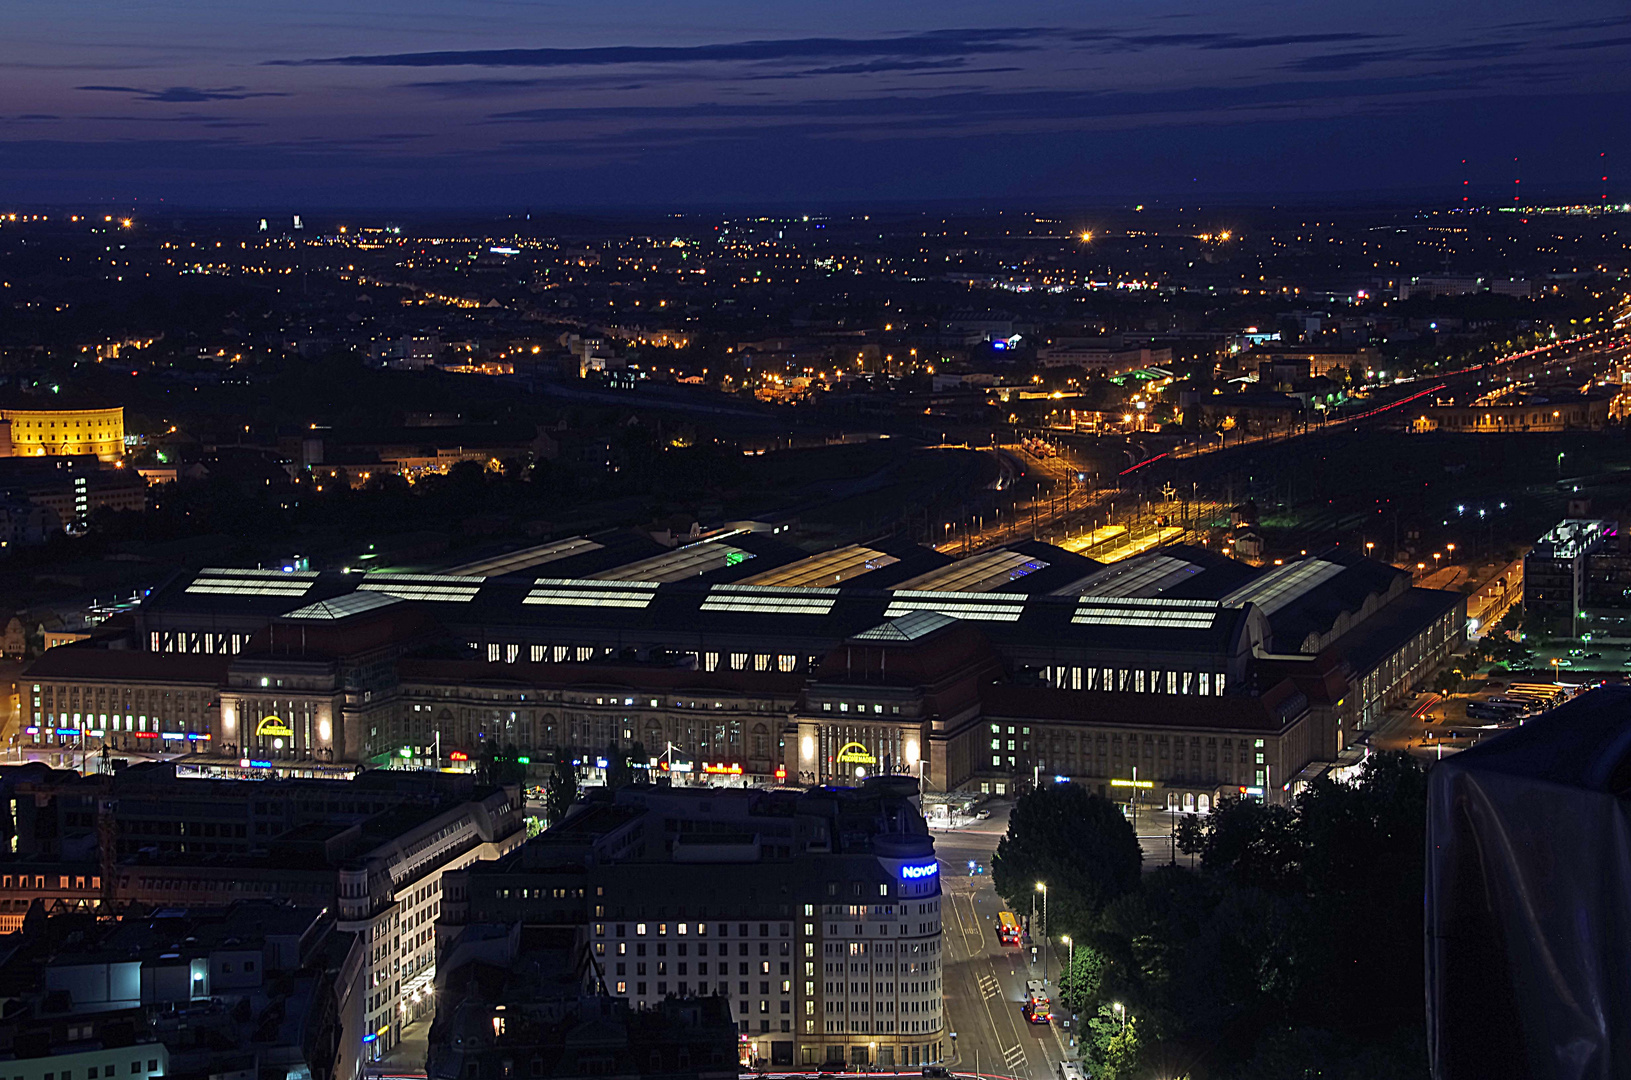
(1528, 897)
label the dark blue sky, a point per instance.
(508, 103)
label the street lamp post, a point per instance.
(1070, 963)
(1030, 960)
(1042, 888)
(1121, 1011)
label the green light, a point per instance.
(407, 751)
(524, 760)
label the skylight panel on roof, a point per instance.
(341, 607)
(827, 568)
(770, 600)
(443, 587)
(423, 592)
(224, 588)
(908, 627)
(529, 557)
(1146, 576)
(976, 574)
(686, 562)
(1282, 586)
(1151, 612)
(975, 607)
(588, 592)
(230, 582)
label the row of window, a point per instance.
(108, 1071)
(513, 652)
(1135, 680)
(860, 707)
(882, 1027)
(195, 642)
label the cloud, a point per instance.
(872, 66)
(186, 95)
(1231, 42)
(1600, 43)
(201, 119)
(933, 44)
(1325, 63)
(982, 106)
(1120, 41)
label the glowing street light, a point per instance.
(1042, 888)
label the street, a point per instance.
(985, 980)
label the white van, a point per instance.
(1069, 1070)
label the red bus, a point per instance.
(1008, 928)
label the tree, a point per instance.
(1446, 681)
(1191, 836)
(1112, 1044)
(1252, 842)
(1083, 976)
(1080, 845)
(561, 793)
(1363, 857)
(1253, 960)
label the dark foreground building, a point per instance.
(369, 852)
(251, 991)
(1529, 899)
(808, 919)
(528, 1007)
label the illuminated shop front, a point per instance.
(847, 752)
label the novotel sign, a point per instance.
(920, 870)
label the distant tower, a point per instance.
(1602, 160)
(1517, 178)
(1466, 184)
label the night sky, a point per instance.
(706, 103)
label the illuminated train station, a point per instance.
(741, 656)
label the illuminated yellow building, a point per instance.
(59, 432)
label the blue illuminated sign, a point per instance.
(922, 870)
